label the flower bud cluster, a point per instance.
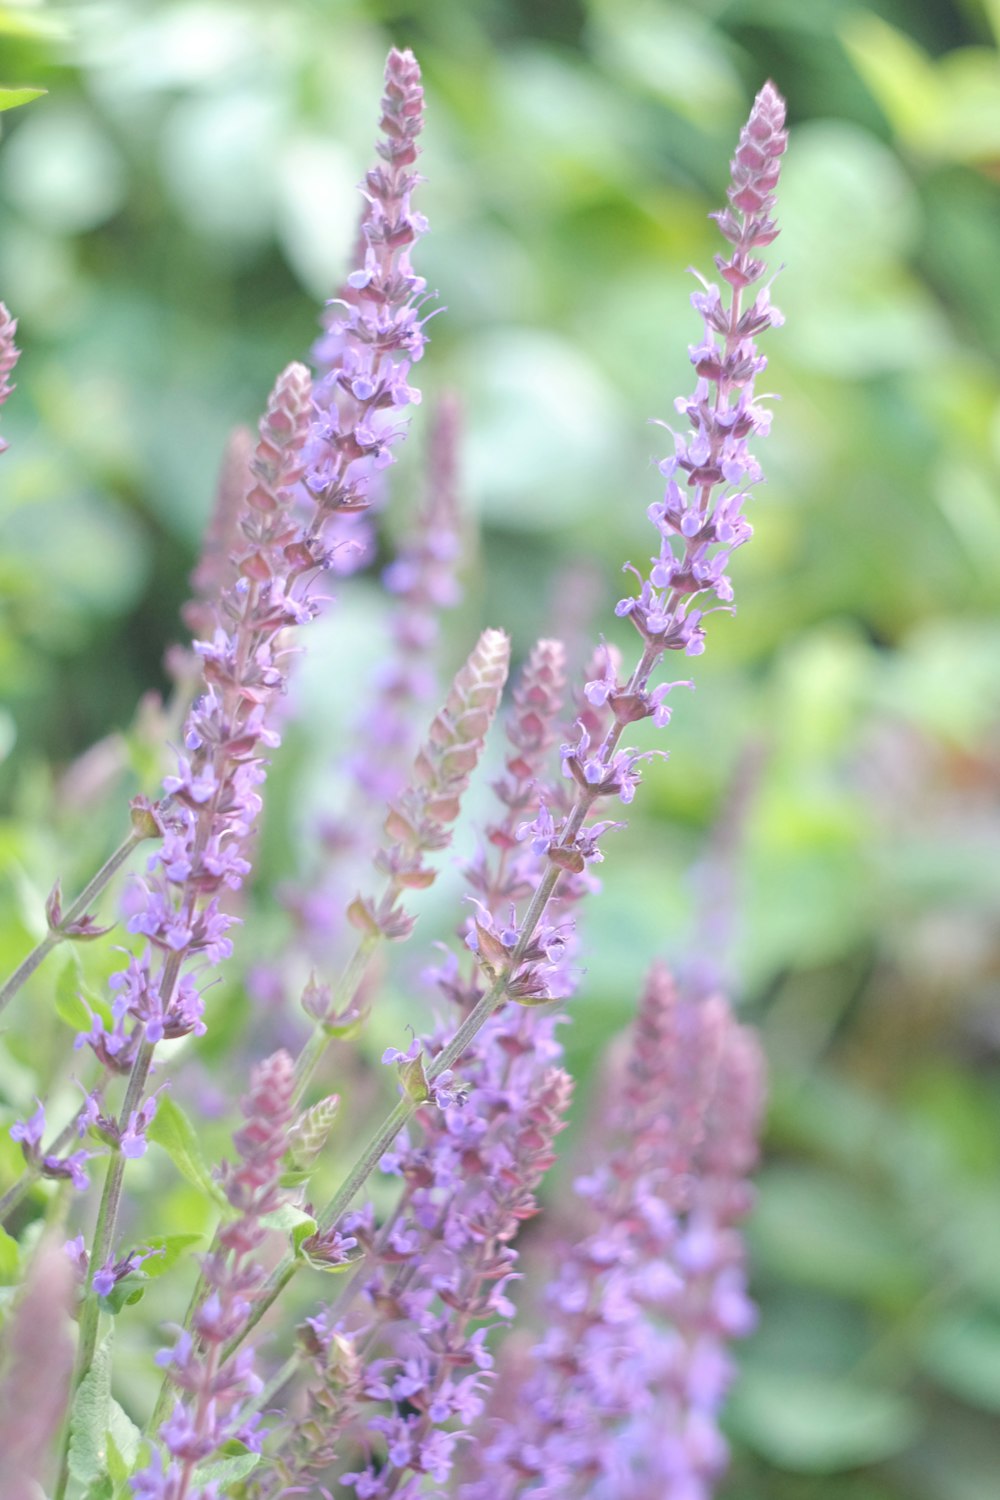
(420, 821)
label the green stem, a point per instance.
(52, 939)
(344, 995)
(104, 1233)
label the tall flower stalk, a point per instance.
(374, 332)
(211, 805)
(699, 528)
(620, 1398)
(213, 1392)
(621, 1394)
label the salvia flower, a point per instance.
(213, 1391)
(375, 332)
(56, 1168)
(439, 1273)
(709, 476)
(213, 799)
(422, 581)
(621, 1395)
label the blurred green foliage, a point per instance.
(170, 217)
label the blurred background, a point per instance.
(173, 214)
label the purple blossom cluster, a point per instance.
(212, 801)
(210, 1411)
(621, 1395)
(709, 477)
(438, 1272)
(408, 1384)
(420, 821)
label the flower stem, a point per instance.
(104, 1233)
(52, 938)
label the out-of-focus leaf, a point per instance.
(10, 1259)
(12, 98)
(69, 1007)
(172, 1247)
(948, 107)
(825, 1231)
(124, 1439)
(172, 1130)
(88, 1448)
(235, 1464)
(815, 1425)
(961, 1351)
(27, 23)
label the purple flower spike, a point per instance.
(621, 1396)
(374, 331)
(709, 476)
(214, 1393)
(9, 355)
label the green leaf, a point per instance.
(10, 1259)
(125, 1293)
(292, 1221)
(819, 1229)
(20, 23)
(961, 1351)
(89, 1419)
(237, 1463)
(813, 1424)
(124, 1441)
(172, 1130)
(172, 1246)
(69, 1006)
(11, 98)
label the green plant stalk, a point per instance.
(348, 987)
(104, 1233)
(51, 940)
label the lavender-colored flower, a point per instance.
(621, 1396)
(439, 1272)
(375, 332)
(212, 799)
(37, 1363)
(210, 576)
(422, 581)
(48, 1164)
(710, 474)
(210, 1411)
(9, 355)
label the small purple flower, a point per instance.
(30, 1132)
